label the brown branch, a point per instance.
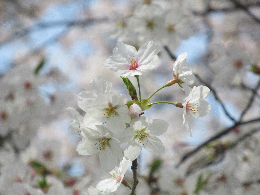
(219, 135)
(216, 97)
(224, 10)
(251, 100)
(134, 169)
(245, 9)
(40, 26)
(172, 56)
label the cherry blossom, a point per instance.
(181, 71)
(79, 122)
(143, 134)
(101, 141)
(117, 175)
(130, 62)
(195, 105)
(104, 105)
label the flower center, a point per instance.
(102, 143)
(115, 175)
(141, 135)
(238, 64)
(111, 110)
(150, 24)
(192, 107)
(170, 28)
(134, 65)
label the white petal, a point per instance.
(99, 85)
(116, 149)
(158, 127)
(155, 146)
(186, 121)
(204, 91)
(148, 52)
(86, 99)
(124, 165)
(204, 108)
(107, 159)
(108, 184)
(86, 147)
(132, 151)
(75, 114)
(179, 63)
(89, 121)
(126, 51)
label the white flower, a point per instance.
(143, 134)
(105, 106)
(131, 62)
(101, 141)
(230, 66)
(195, 105)
(79, 122)
(181, 71)
(148, 21)
(179, 26)
(117, 175)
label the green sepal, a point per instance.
(130, 87)
(129, 103)
(145, 104)
(39, 66)
(255, 69)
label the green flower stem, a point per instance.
(157, 91)
(137, 78)
(177, 104)
(168, 84)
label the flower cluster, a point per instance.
(110, 120)
(153, 21)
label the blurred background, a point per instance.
(51, 50)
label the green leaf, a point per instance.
(156, 165)
(39, 66)
(130, 87)
(39, 168)
(201, 183)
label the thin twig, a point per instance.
(223, 10)
(216, 97)
(44, 25)
(246, 9)
(238, 141)
(219, 135)
(251, 100)
(172, 56)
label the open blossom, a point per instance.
(131, 62)
(143, 134)
(195, 105)
(105, 106)
(116, 177)
(78, 122)
(181, 72)
(101, 141)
